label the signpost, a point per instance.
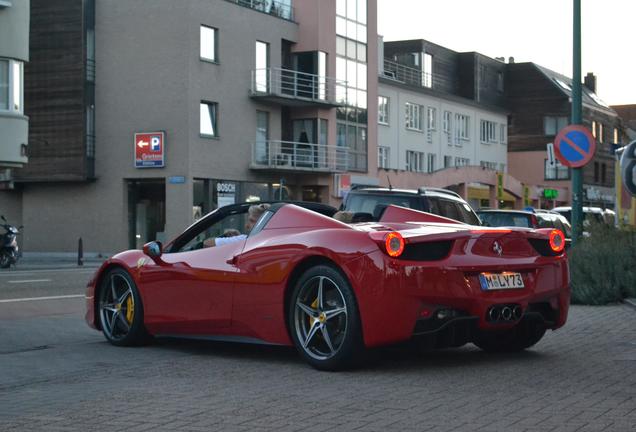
(551, 156)
(577, 119)
(150, 150)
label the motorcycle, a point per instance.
(9, 251)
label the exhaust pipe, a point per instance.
(494, 314)
(506, 313)
(516, 312)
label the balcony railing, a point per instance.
(296, 156)
(280, 9)
(296, 86)
(407, 75)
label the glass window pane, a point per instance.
(17, 86)
(351, 9)
(352, 29)
(4, 84)
(362, 11)
(341, 46)
(262, 63)
(341, 7)
(362, 99)
(351, 49)
(362, 76)
(341, 26)
(362, 53)
(341, 69)
(208, 43)
(208, 118)
(352, 80)
(362, 33)
(352, 96)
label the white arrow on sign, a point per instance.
(551, 157)
(142, 144)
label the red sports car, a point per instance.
(331, 289)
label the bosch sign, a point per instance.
(150, 150)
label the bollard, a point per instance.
(80, 253)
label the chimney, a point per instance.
(590, 81)
(511, 59)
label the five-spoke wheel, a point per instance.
(324, 319)
(120, 309)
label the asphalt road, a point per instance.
(57, 374)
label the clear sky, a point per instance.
(536, 30)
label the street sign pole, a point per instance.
(577, 118)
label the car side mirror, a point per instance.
(154, 250)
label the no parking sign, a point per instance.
(574, 146)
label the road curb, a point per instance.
(630, 302)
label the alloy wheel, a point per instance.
(117, 307)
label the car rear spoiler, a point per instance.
(394, 213)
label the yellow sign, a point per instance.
(500, 186)
(526, 196)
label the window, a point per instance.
(413, 116)
(488, 165)
(594, 129)
(383, 110)
(502, 134)
(11, 86)
(462, 127)
(557, 172)
(427, 70)
(488, 132)
(447, 122)
(460, 161)
(603, 173)
(430, 163)
(383, 156)
(600, 133)
(500, 82)
(208, 126)
(552, 125)
(414, 161)
(262, 64)
(431, 115)
(261, 152)
(448, 161)
(615, 135)
(208, 43)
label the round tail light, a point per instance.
(557, 240)
(394, 244)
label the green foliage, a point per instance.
(603, 266)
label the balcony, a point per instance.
(299, 157)
(293, 88)
(406, 74)
(280, 9)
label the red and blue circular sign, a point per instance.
(574, 146)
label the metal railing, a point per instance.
(406, 74)
(298, 85)
(297, 156)
(278, 9)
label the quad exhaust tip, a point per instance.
(505, 313)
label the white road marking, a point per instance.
(14, 273)
(15, 300)
(30, 281)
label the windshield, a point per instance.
(495, 219)
(375, 204)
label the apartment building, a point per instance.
(540, 105)
(443, 122)
(160, 111)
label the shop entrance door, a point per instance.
(146, 212)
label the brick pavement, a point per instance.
(581, 378)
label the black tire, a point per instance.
(526, 334)
(336, 342)
(121, 313)
(5, 260)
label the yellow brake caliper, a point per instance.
(130, 309)
(314, 305)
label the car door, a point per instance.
(192, 292)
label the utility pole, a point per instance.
(577, 119)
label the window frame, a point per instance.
(383, 110)
(14, 87)
(413, 116)
(214, 122)
(384, 154)
(215, 47)
(558, 168)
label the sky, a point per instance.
(537, 30)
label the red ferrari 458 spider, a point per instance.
(332, 289)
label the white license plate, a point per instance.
(497, 281)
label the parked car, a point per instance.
(368, 203)
(331, 289)
(527, 219)
(592, 214)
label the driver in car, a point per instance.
(230, 236)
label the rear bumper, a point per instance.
(393, 296)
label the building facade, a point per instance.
(540, 106)
(241, 100)
(14, 54)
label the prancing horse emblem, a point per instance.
(496, 248)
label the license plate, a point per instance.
(497, 281)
